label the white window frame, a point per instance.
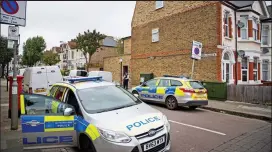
(265, 33)
(155, 35)
(245, 28)
(159, 4)
(255, 69)
(255, 29)
(226, 17)
(265, 70)
(245, 69)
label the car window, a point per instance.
(36, 104)
(164, 83)
(106, 98)
(196, 85)
(81, 73)
(151, 83)
(59, 93)
(53, 90)
(176, 83)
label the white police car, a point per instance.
(95, 116)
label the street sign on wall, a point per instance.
(13, 33)
(13, 12)
(196, 50)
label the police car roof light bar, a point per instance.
(95, 78)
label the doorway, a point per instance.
(125, 69)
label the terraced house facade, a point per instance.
(163, 32)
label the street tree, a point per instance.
(5, 53)
(88, 43)
(33, 50)
(50, 58)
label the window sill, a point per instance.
(247, 40)
(228, 38)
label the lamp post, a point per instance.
(121, 60)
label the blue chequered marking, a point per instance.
(80, 124)
(152, 89)
(170, 90)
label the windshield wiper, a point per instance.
(121, 107)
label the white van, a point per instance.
(107, 76)
(40, 79)
(21, 72)
(75, 73)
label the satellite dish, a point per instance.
(241, 24)
(241, 53)
(265, 50)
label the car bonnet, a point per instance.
(133, 120)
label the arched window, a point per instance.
(226, 56)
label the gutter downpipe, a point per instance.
(236, 52)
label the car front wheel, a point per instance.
(171, 103)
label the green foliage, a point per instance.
(88, 43)
(50, 58)
(5, 53)
(33, 50)
(120, 46)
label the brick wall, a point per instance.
(112, 64)
(145, 11)
(127, 46)
(102, 52)
(176, 33)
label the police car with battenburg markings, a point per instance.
(94, 115)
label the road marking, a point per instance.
(212, 131)
(4, 105)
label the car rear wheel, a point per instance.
(192, 107)
(171, 103)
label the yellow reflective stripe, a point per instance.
(58, 118)
(58, 129)
(178, 92)
(22, 104)
(160, 90)
(158, 81)
(64, 91)
(54, 106)
(92, 131)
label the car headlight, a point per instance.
(113, 136)
(166, 123)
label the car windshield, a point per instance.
(196, 85)
(106, 98)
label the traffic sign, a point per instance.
(196, 50)
(13, 12)
(10, 44)
(13, 33)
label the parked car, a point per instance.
(173, 92)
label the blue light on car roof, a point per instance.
(95, 78)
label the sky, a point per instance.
(62, 20)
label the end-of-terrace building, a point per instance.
(163, 32)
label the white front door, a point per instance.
(226, 71)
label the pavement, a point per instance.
(199, 130)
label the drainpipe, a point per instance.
(236, 52)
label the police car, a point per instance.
(173, 91)
(94, 115)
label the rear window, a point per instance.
(196, 85)
(82, 73)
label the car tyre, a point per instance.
(86, 145)
(192, 107)
(171, 103)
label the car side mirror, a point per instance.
(144, 84)
(68, 112)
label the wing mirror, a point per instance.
(68, 112)
(144, 84)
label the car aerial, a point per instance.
(173, 91)
(94, 115)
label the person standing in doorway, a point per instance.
(125, 81)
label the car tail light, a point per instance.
(30, 90)
(187, 90)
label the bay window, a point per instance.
(255, 69)
(244, 69)
(265, 70)
(255, 29)
(244, 33)
(265, 31)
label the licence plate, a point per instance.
(200, 95)
(39, 90)
(154, 143)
